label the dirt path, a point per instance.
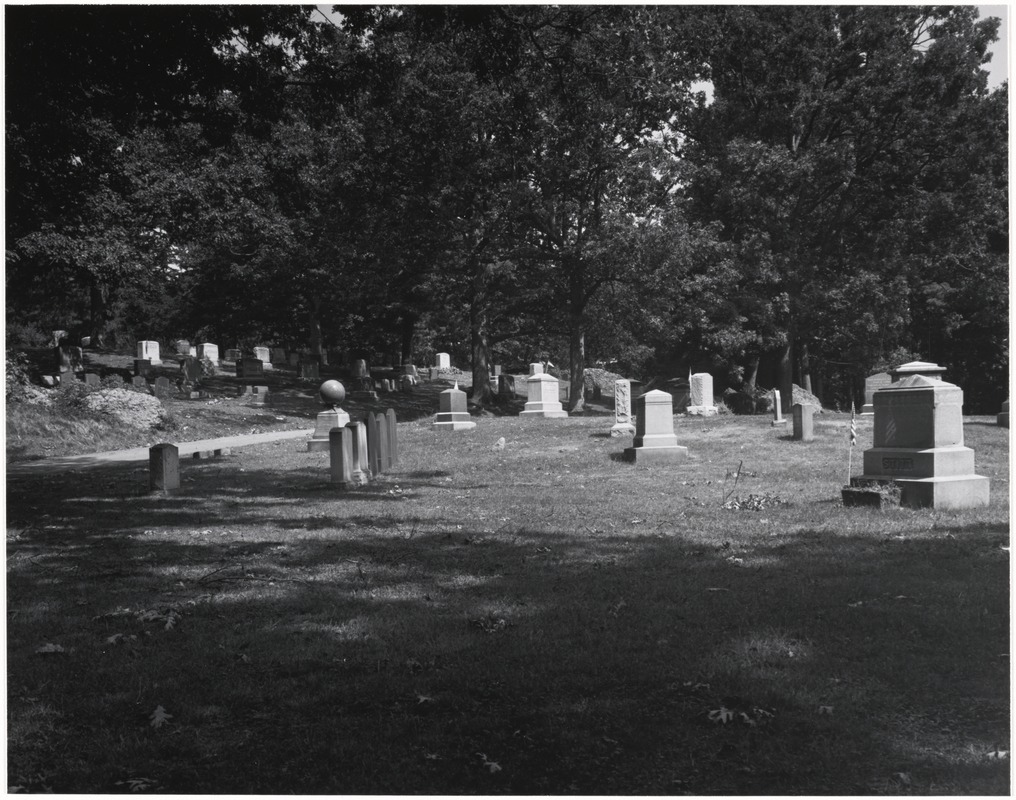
(140, 454)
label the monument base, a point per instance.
(546, 410)
(953, 492)
(1003, 419)
(325, 423)
(623, 429)
(776, 423)
(646, 456)
(453, 421)
(703, 411)
(867, 410)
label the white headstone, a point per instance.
(777, 410)
(149, 350)
(702, 395)
(655, 441)
(622, 409)
(209, 351)
(444, 361)
(544, 397)
(264, 355)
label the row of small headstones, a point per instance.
(357, 452)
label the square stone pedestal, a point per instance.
(544, 397)
(453, 415)
(326, 421)
(919, 445)
(655, 442)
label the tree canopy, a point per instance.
(517, 182)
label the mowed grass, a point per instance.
(541, 618)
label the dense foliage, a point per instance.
(517, 182)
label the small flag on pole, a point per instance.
(853, 426)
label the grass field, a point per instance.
(541, 618)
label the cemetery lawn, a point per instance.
(538, 618)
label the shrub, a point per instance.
(113, 381)
(17, 375)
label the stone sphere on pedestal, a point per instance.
(332, 393)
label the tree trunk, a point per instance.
(785, 374)
(751, 375)
(408, 332)
(482, 393)
(314, 326)
(99, 315)
(577, 341)
(804, 368)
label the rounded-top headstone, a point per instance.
(332, 393)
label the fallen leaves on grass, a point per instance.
(490, 623)
(159, 717)
(493, 766)
(140, 784)
(755, 502)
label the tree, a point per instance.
(827, 125)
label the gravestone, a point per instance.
(1003, 416)
(278, 355)
(149, 350)
(444, 361)
(452, 414)
(777, 409)
(250, 368)
(200, 455)
(506, 385)
(911, 368)
(536, 368)
(142, 366)
(406, 383)
(373, 445)
(294, 359)
(544, 397)
(232, 354)
(384, 442)
(655, 441)
(340, 457)
(91, 379)
(872, 384)
(139, 382)
(209, 351)
(263, 355)
(193, 352)
(804, 422)
(309, 370)
(702, 403)
(361, 464)
(191, 369)
(62, 360)
(259, 395)
(360, 369)
(164, 468)
(182, 347)
(162, 388)
(918, 440)
(332, 393)
(495, 370)
(393, 436)
(622, 409)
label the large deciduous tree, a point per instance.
(830, 138)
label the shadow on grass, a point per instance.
(348, 652)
